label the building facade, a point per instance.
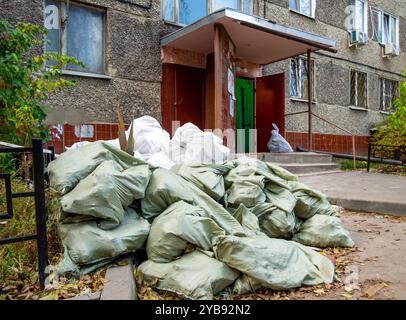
(120, 42)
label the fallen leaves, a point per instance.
(373, 290)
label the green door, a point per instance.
(244, 90)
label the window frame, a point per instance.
(63, 10)
(382, 95)
(381, 18)
(355, 106)
(365, 14)
(209, 5)
(313, 4)
(300, 98)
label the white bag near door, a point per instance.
(277, 143)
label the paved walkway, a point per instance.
(362, 191)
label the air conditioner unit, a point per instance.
(358, 38)
(390, 50)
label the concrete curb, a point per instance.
(389, 208)
(120, 283)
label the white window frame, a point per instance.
(313, 4)
(382, 106)
(299, 80)
(63, 39)
(382, 14)
(356, 106)
(209, 4)
(365, 14)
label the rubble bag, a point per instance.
(74, 165)
(86, 246)
(178, 226)
(107, 192)
(274, 222)
(208, 178)
(310, 202)
(277, 143)
(166, 188)
(323, 231)
(274, 263)
(195, 275)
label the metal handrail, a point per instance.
(334, 125)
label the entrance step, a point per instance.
(306, 168)
(296, 157)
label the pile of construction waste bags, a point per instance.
(233, 226)
(188, 145)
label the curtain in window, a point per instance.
(306, 7)
(393, 29)
(294, 78)
(191, 10)
(221, 4)
(248, 8)
(169, 13)
(85, 38)
(304, 79)
(359, 15)
(294, 5)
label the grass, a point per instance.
(18, 262)
(375, 167)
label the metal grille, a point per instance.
(389, 92)
(39, 161)
(358, 89)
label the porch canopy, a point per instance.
(257, 40)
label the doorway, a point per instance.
(245, 114)
(183, 95)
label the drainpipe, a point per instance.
(310, 98)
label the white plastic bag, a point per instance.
(277, 143)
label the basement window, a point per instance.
(184, 12)
(389, 90)
(358, 89)
(299, 78)
(78, 31)
(305, 7)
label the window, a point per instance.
(185, 12)
(299, 79)
(389, 92)
(358, 89)
(80, 36)
(305, 7)
(388, 29)
(359, 21)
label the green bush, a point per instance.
(25, 82)
(393, 131)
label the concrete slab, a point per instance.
(362, 191)
(119, 283)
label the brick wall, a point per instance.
(66, 135)
(330, 142)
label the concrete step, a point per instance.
(296, 157)
(305, 168)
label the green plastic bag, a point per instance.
(88, 247)
(178, 226)
(195, 275)
(106, 193)
(74, 165)
(323, 231)
(274, 263)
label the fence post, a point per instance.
(369, 156)
(40, 209)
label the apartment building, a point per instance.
(243, 68)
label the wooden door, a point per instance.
(270, 107)
(183, 95)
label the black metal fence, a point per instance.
(397, 154)
(39, 161)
